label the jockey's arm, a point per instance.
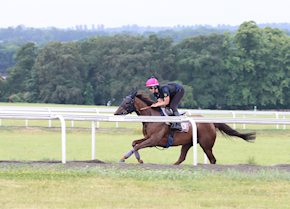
(161, 102)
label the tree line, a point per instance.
(13, 37)
(219, 71)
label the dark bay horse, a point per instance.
(156, 133)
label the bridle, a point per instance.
(129, 106)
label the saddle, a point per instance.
(169, 112)
(184, 126)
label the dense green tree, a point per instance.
(228, 71)
(7, 52)
(200, 65)
(121, 63)
(248, 37)
(258, 68)
(284, 65)
(89, 95)
(59, 74)
(19, 77)
(3, 90)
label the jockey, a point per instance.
(168, 95)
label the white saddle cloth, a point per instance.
(184, 125)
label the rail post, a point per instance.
(63, 138)
(194, 141)
(49, 121)
(234, 116)
(93, 140)
(97, 113)
(277, 117)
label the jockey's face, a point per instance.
(153, 89)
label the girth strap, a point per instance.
(169, 139)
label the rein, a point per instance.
(145, 108)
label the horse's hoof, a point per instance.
(122, 161)
(140, 161)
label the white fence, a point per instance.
(75, 114)
(52, 110)
(241, 114)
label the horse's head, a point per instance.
(127, 105)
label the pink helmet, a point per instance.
(152, 82)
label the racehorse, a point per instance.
(156, 133)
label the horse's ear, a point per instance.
(134, 92)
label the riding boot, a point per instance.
(176, 126)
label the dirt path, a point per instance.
(97, 163)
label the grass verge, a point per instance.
(56, 186)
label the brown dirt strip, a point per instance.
(98, 163)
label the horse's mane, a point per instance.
(145, 98)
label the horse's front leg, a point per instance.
(156, 139)
(130, 152)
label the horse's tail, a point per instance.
(225, 129)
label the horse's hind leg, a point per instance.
(206, 140)
(183, 153)
(209, 154)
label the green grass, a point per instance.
(270, 147)
(98, 187)
(58, 186)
